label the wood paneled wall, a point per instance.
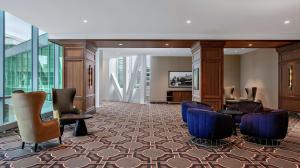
(79, 72)
(212, 69)
(289, 89)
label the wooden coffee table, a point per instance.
(80, 128)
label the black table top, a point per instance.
(75, 116)
(231, 112)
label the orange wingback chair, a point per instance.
(27, 107)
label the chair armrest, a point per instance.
(49, 128)
(56, 114)
(51, 123)
(268, 110)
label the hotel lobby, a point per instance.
(149, 84)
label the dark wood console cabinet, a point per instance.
(178, 96)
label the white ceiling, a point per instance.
(238, 51)
(173, 52)
(121, 52)
(161, 19)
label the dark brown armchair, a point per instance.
(63, 104)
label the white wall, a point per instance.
(160, 67)
(260, 69)
(196, 63)
(103, 85)
(232, 73)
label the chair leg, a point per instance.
(59, 139)
(35, 147)
(23, 145)
(62, 128)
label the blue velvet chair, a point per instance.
(209, 125)
(190, 104)
(267, 126)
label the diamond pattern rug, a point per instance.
(134, 135)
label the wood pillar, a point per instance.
(289, 77)
(212, 72)
(79, 72)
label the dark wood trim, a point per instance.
(77, 54)
(289, 55)
(212, 73)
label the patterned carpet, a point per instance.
(132, 135)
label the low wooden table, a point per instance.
(232, 113)
(80, 128)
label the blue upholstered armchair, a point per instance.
(207, 124)
(190, 104)
(269, 126)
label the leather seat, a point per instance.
(27, 107)
(63, 104)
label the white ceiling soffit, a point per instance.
(157, 19)
(122, 52)
(238, 51)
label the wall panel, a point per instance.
(212, 69)
(79, 72)
(289, 95)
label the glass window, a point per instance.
(120, 71)
(46, 69)
(18, 64)
(60, 70)
(18, 61)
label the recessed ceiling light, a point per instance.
(188, 21)
(250, 45)
(84, 21)
(120, 44)
(287, 22)
(166, 44)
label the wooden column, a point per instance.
(212, 69)
(289, 88)
(79, 72)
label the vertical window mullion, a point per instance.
(2, 60)
(35, 58)
(48, 68)
(56, 66)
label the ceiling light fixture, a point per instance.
(250, 45)
(166, 44)
(120, 44)
(84, 21)
(188, 21)
(287, 22)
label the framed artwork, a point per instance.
(196, 79)
(180, 79)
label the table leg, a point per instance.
(234, 130)
(80, 128)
